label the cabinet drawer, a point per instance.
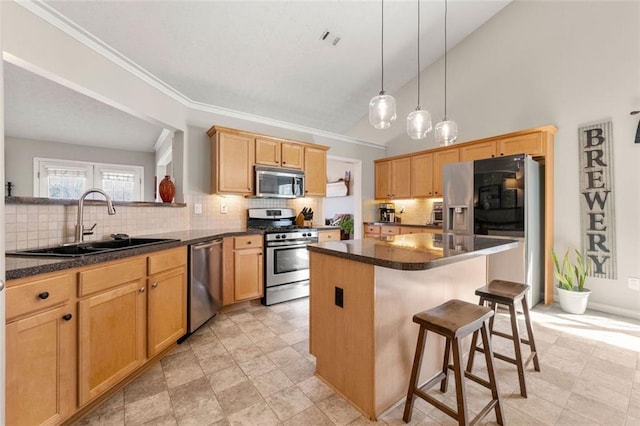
(332, 235)
(25, 296)
(390, 230)
(247, 241)
(167, 259)
(113, 274)
(372, 229)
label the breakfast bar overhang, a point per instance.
(363, 296)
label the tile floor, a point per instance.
(252, 367)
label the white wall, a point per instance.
(19, 154)
(562, 63)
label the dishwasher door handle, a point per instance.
(207, 245)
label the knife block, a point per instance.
(300, 220)
(307, 224)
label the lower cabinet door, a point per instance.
(111, 337)
(167, 309)
(40, 352)
(248, 274)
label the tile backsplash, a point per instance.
(34, 225)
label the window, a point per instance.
(69, 179)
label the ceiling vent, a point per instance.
(328, 38)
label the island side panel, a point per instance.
(342, 338)
(401, 294)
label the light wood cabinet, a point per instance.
(166, 300)
(478, 151)
(531, 144)
(40, 350)
(272, 152)
(393, 178)
(440, 158)
(75, 334)
(371, 231)
(232, 159)
(422, 175)
(243, 271)
(418, 230)
(112, 331)
(315, 171)
(389, 230)
(328, 235)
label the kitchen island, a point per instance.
(363, 296)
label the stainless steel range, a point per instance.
(286, 261)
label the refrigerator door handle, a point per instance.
(1, 285)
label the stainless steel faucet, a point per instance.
(80, 232)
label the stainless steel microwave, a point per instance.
(277, 182)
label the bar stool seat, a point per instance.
(508, 293)
(453, 320)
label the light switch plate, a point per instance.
(224, 208)
(197, 208)
(634, 283)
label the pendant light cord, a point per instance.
(418, 55)
(382, 49)
(445, 60)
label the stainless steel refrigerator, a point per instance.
(500, 197)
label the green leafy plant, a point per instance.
(346, 224)
(571, 276)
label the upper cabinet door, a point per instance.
(315, 171)
(268, 152)
(422, 175)
(232, 157)
(383, 179)
(478, 151)
(292, 155)
(440, 158)
(531, 144)
(401, 178)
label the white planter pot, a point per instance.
(573, 302)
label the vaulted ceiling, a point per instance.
(268, 58)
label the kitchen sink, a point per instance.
(89, 248)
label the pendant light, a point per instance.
(446, 131)
(419, 121)
(382, 108)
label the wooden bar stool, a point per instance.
(453, 320)
(508, 293)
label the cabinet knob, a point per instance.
(154, 285)
(44, 295)
(284, 162)
(141, 289)
(249, 242)
(67, 317)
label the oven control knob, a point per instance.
(283, 236)
(306, 235)
(277, 237)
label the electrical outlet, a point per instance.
(634, 283)
(224, 208)
(197, 208)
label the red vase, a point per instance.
(167, 189)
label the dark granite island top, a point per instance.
(414, 252)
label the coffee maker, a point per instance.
(387, 212)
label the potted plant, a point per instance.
(572, 294)
(346, 227)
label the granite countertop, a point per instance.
(427, 225)
(24, 266)
(414, 252)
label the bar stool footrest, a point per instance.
(441, 406)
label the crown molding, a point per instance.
(64, 24)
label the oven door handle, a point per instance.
(285, 243)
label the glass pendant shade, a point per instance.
(418, 124)
(446, 132)
(382, 111)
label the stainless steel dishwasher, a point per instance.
(205, 282)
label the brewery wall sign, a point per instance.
(597, 206)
